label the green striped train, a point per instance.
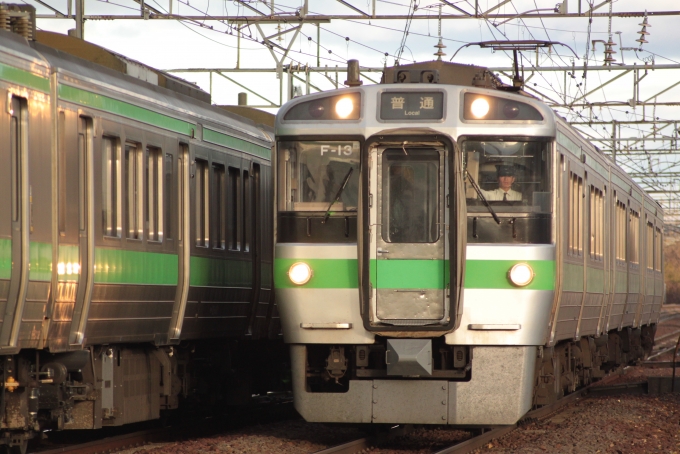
(448, 250)
(135, 242)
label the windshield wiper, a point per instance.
(337, 196)
(481, 196)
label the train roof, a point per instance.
(36, 55)
(102, 75)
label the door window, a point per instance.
(410, 193)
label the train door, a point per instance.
(183, 244)
(407, 219)
(17, 212)
(85, 231)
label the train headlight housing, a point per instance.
(344, 107)
(521, 274)
(479, 108)
(482, 107)
(300, 273)
(327, 108)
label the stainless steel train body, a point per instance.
(406, 298)
(134, 221)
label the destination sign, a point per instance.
(412, 105)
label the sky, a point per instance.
(167, 45)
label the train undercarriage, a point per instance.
(466, 385)
(113, 385)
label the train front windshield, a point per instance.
(512, 176)
(312, 174)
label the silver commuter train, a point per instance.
(410, 292)
(135, 243)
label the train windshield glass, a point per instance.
(311, 175)
(511, 175)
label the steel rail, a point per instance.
(117, 443)
(363, 444)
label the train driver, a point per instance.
(504, 192)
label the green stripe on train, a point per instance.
(124, 109)
(493, 274)
(414, 274)
(237, 144)
(116, 266)
(24, 78)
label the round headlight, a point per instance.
(344, 107)
(316, 109)
(479, 108)
(521, 274)
(511, 110)
(300, 273)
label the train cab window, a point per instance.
(410, 194)
(134, 188)
(634, 218)
(234, 209)
(511, 175)
(596, 223)
(111, 187)
(154, 192)
(312, 174)
(650, 246)
(202, 204)
(220, 207)
(620, 231)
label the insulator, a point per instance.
(439, 52)
(4, 17)
(643, 32)
(608, 51)
(641, 40)
(644, 23)
(22, 26)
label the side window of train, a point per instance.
(18, 136)
(234, 221)
(202, 203)
(247, 211)
(596, 223)
(168, 202)
(658, 250)
(154, 191)
(621, 231)
(650, 245)
(134, 190)
(111, 187)
(575, 228)
(61, 173)
(219, 206)
(634, 219)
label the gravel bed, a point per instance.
(286, 437)
(616, 425)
